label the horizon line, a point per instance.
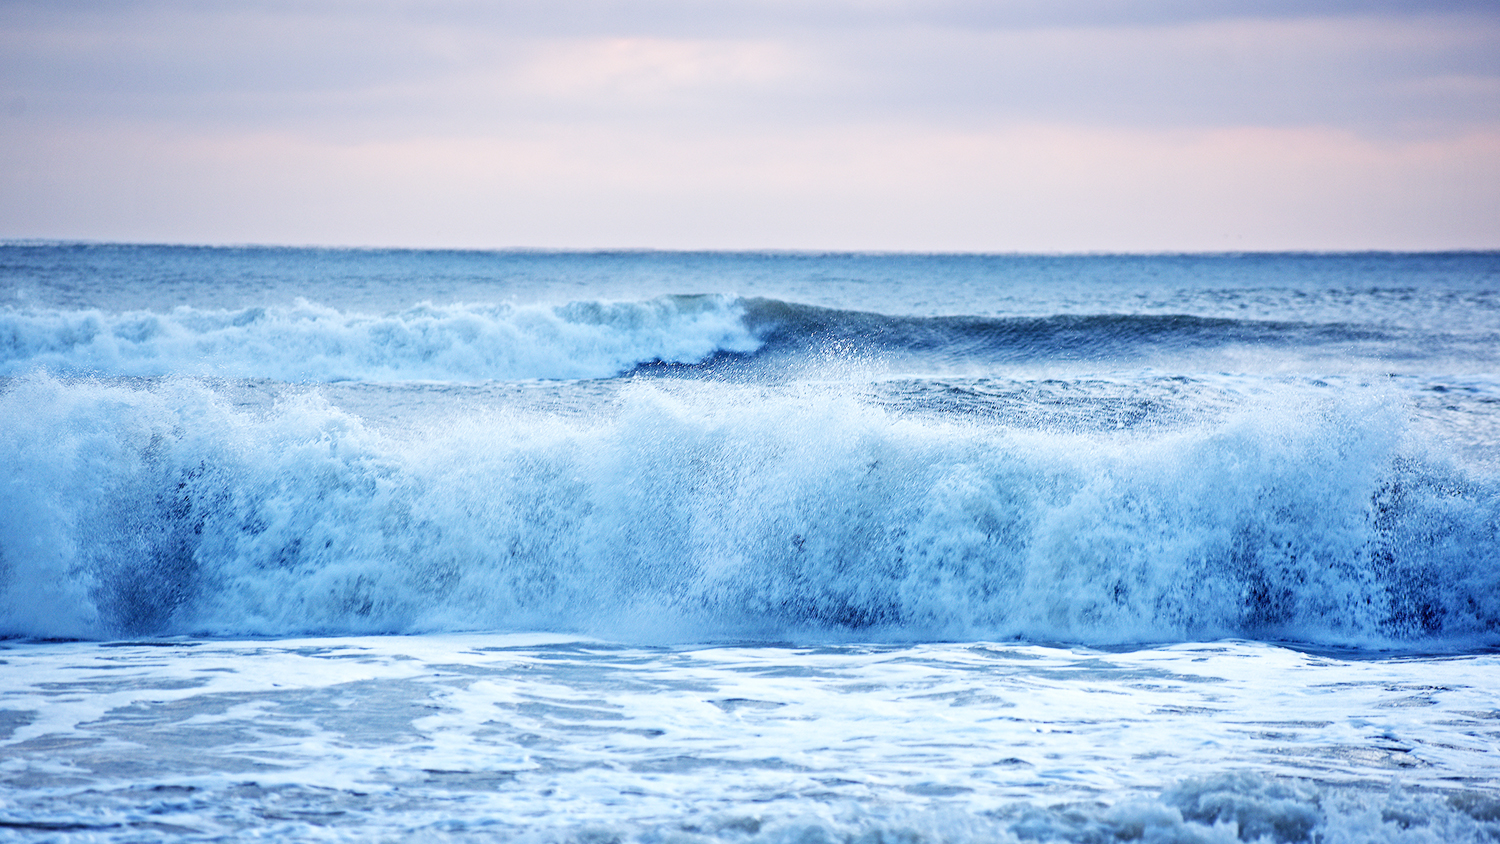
(23, 242)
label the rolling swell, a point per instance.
(306, 342)
(1066, 337)
(733, 511)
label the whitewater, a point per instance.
(326, 544)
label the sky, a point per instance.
(946, 125)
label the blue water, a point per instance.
(829, 465)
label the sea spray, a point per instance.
(721, 510)
(311, 342)
(853, 547)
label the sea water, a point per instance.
(302, 544)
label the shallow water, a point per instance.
(547, 738)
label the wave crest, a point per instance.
(732, 511)
(309, 342)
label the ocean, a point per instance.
(404, 545)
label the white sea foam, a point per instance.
(726, 511)
(308, 342)
(553, 739)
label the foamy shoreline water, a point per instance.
(549, 738)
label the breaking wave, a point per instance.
(312, 343)
(309, 342)
(727, 511)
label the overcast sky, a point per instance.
(817, 124)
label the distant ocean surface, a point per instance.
(366, 545)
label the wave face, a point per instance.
(308, 342)
(717, 334)
(715, 510)
(1069, 336)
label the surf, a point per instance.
(307, 342)
(712, 510)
